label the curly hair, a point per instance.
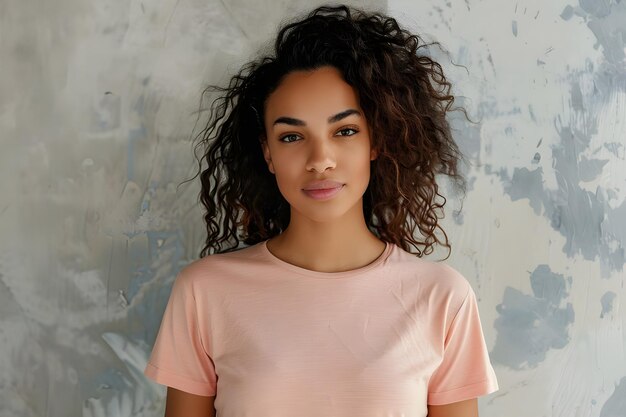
(404, 95)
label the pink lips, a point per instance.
(323, 194)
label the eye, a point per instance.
(286, 136)
(281, 139)
(349, 128)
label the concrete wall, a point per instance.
(97, 103)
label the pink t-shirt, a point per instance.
(271, 339)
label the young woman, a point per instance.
(324, 165)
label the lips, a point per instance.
(323, 194)
(323, 185)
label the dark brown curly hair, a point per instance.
(404, 95)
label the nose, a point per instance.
(321, 156)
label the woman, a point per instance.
(329, 149)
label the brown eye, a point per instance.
(286, 136)
(349, 128)
(281, 139)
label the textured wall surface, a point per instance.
(97, 103)
(542, 233)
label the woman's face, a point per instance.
(316, 130)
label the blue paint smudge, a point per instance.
(615, 406)
(607, 303)
(529, 326)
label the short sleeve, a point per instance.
(178, 358)
(465, 371)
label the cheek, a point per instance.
(287, 174)
(364, 175)
(361, 162)
(288, 168)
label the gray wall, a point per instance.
(97, 103)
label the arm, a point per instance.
(467, 408)
(183, 404)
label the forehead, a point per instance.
(317, 92)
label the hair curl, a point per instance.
(405, 97)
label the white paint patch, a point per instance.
(509, 76)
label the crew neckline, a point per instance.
(378, 262)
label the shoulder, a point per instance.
(445, 287)
(444, 290)
(450, 287)
(436, 276)
(453, 281)
(217, 267)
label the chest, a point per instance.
(318, 355)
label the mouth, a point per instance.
(324, 193)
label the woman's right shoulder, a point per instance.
(215, 265)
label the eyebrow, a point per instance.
(332, 119)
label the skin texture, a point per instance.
(467, 408)
(330, 235)
(183, 404)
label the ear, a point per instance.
(373, 154)
(266, 153)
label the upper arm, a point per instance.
(467, 408)
(183, 404)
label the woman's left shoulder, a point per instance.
(443, 281)
(454, 278)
